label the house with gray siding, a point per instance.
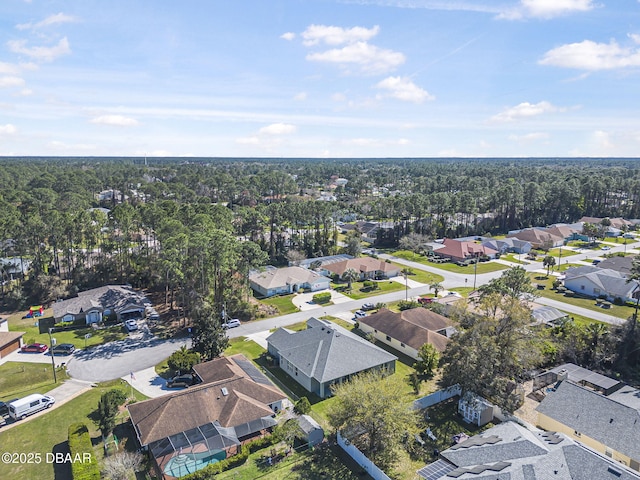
(92, 305)
(325, 354)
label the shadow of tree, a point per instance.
(61, 471)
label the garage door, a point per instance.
(11, 347)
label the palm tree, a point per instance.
(436, 287)
(548, 262)
(350, 275)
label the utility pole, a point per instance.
(475, 272)
(53, 360)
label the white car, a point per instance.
(360, 314)
(131, 325)
(234, 322)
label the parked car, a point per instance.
(184, 381)
(35, 348)
(19, 409)
(4, 407)
(606, 247)
(360, 314)
(425, 300)
(234, 322)
(63, 349)
(368, 306)
(131, 325)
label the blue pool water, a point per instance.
(186, 463)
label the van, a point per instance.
(23, 407)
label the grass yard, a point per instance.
(555, 252)
(326, 463)
(464, 291)
(620, 311)
(49, 434)
(358, 291)
(33, 335)
(514, 258)
(19, 379)
(422, 276)
(483, 267)
(282, 302)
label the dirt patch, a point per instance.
(527, 411)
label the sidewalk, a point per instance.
(63, 393)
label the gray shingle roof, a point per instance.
(523, 454)
(613, 283)
(325, 351)
(601, 418)
(115, 297)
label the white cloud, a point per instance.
(368, 58)
(525, 110)
(300, 96)
(8, 68)
(529, 137)
(546, 8)
(277, 129)
(45, 54)
(589, 55)
(330, 35)
(8, 129)
(404, 89)
(338, 97)
(115, 120)
(448, 5)
(288, 36)
(55, 19)
(6, 82)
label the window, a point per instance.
(296, 370)
(581, 287)
(34, 404)
(402, 345)
(388, 338)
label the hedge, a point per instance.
(241, 457)
(80, 444)
(322, 297)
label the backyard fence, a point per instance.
(436, 397)
(360, 458)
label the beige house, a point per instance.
(604, 419)
(408, 330)
(538, 238)
(367, 267)
(282, 281)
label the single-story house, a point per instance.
(459, 251)
(568, 232)
(607, 423)
(616, 222)
(10, 342)
(367, 267)
(594, 282)
(328, 260)
(538, 237)
(278, 281)
(506, 245)
(325, 354)
(548, 315)
(408, 330)
(512, 451)
(619, 264)
(313, 432)
(92, 305)
(475, 409)
(186, 430)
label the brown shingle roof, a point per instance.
(245, 401)
(413, 327)
(8, 337)
(363, 264)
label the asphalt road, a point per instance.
(142, 350)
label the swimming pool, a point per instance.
(186, 463)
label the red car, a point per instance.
(35, 348)
(425, 300)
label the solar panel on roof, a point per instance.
(436, 470)
(250, 369)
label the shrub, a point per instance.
(618, 301)
(407, 305)
(323, 297)
(369, 284)
(80, 444)
(302, 406)
(183, 360)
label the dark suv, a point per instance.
(63, 349)
(185, 380)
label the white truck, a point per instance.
(23, 407)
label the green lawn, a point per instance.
(555, 252)
(33, 335)
(358, 291)
(328, 463)
(483, 267)
(620, 311)
(49, 433)
(283, 303)
(464, 291)
(514, 258)
(19, 379)
(422, 276)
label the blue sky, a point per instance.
(320, 78)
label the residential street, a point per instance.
(142, 351)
